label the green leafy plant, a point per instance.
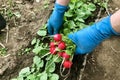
(46, 4)
(75, 17)
(3, 51)
(51, 51)
(44, 63)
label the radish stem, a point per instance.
(45, 55)
(52, 62)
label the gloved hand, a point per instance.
(2, 22)
(87, 39)
(56, 19)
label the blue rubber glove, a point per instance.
(87, 39)
(56, 19)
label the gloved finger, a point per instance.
(56, 31)
(73, 38)
(50, 29)
(79, 51)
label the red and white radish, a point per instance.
(57, 37)
(61, 45)
(67, 64)
(65, 55)
(52, 44)
(53, 50)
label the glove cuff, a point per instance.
(60, 8)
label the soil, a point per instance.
(20, 31)
(102, 64)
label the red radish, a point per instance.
(57, 37)
(65, 55)
(52, 50)
(60, 54)
(61, 45)
(52, 44)
(67, 64)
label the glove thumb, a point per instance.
(49, 27)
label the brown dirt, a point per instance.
(104, 63)
(21, 31)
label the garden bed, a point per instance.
(29, 16)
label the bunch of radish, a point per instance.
(58, 47)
